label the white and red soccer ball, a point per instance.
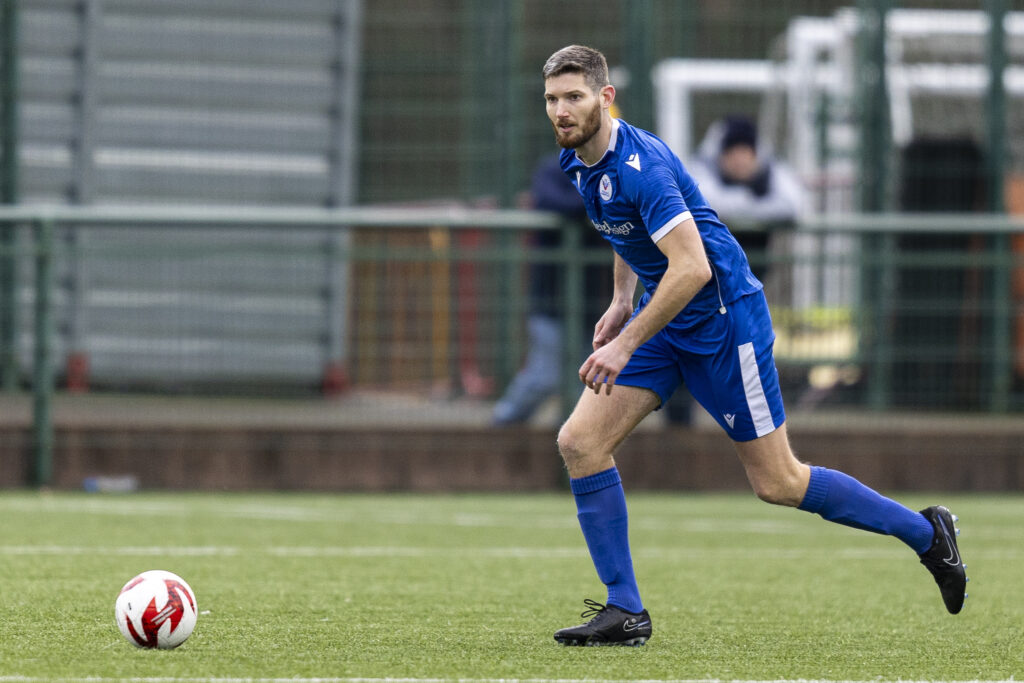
(156, 609)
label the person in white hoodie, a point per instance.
(751, 191)
(754, 193)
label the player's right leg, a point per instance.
(599, 424)
(587, 442)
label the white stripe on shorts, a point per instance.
(760, 413)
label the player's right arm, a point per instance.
(621, 308)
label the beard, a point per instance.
(582, 133)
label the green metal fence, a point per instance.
(448, 91)
(452, 97)
(882, 106)
(437, 301)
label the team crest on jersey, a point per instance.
(605, 187)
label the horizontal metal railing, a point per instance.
(873, 251)
(248, 217)
(43, 221)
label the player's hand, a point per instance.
(610, 324)
(603, 366)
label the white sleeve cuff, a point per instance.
(671, 223)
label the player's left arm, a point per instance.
(687, 272)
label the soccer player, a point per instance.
(702, 320)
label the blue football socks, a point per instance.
(842, 499)
(601, 509)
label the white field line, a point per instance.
(793, 525)
(298, 551)
(893, 553)
(407, 517)
(499, 552)
(173, 679)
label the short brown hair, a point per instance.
(579, 59)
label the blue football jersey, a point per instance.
(635, 195)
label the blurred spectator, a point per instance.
(752, 192)
(540, 377)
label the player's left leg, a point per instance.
(778, 477)
(774, 472)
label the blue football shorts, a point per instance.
(726, 363)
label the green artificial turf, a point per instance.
(472, 587)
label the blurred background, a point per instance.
(246, 243)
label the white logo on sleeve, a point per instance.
(634, 161)
(605, 187)
(730, 418)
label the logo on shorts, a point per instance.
(605, 187)
(730, 418)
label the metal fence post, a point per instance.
(874, 167)
(9, 194)
(572, 301)
(83, 189)
(638, 25)
(9, 100)
(1002, 337)
(883, 260)
(510, 281)
(42, 385)
(344, 158)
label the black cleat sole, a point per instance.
(632, 642)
